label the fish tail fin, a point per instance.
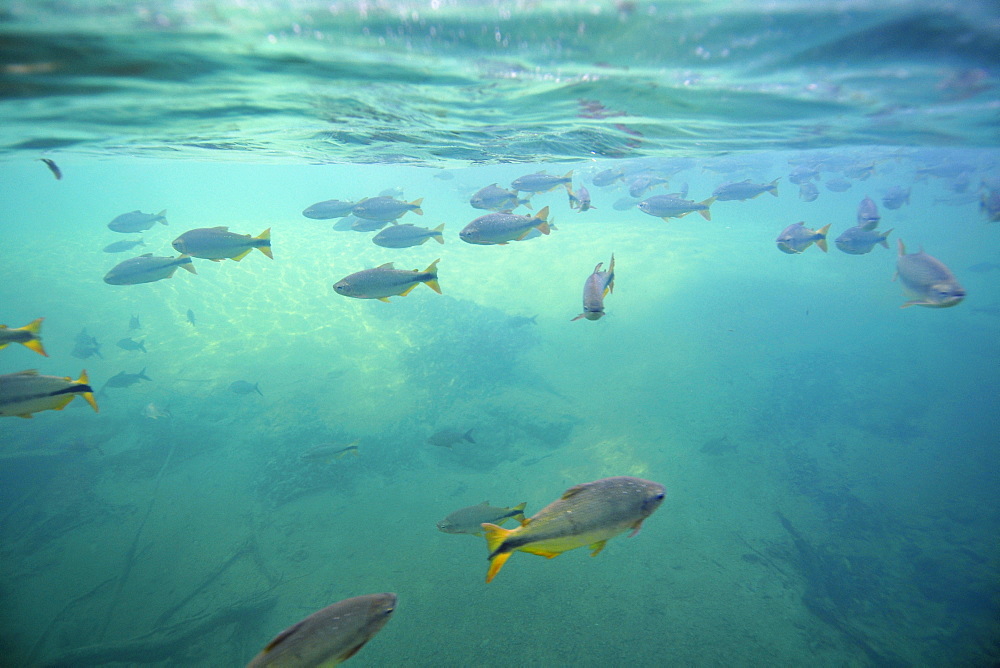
(142, 374)
(142, 345)
(468, 436)
(526, 202)
(256, 387)
(519, 515)
(237, 258)
(569, 183)
(264, 245)
(495, 537)
(89, 394)
(439, 237)
(417, 203)
(163, 218)
(705, 213)
(902, 248)
(189, 265)
(822, 232)
(432, 282)
(885, 240)
(35, 328)
(543, 214)
(774, 190)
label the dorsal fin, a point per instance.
(281, 637)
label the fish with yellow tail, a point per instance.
(930, 282)
(500, 228)
(597, 287)
(29, 336)
(218, 243)
(588, 514)
(384, 281)
(25, 393)
(330, 636)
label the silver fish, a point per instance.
(500, 228)
(27, 392)
(859, 240)
(385, 281)
(495, 198)
(744, 190)
(541, 182)
(580, 200)
(129, 343)
(595, 289)
(668, 206)
(470, 520)
(147, 269)
(385, 209)
(928, 279)
(808, 192)
(447, 438)
(244, 387)
(868, 214)
(896, 197)
(331, 208)
(137, 221)
(407, 235)
(218, 243)
(797, 237)
(122, 379)
(122, 246)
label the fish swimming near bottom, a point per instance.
(384, 281)
(595, 289)
(447, 438)
(25, 393)
(329, 451)
(587, 514)
(29, 336)
(147, 269)
(245, 387)
(122, 379)
(930, 282)
(470, 520)
(797, 237)
(330, 636)
(123, 246)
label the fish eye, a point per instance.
(660, 496)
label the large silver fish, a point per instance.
(28, 392)
(146, 269)
(744, 190)
(797, 237)
(331, 208)
(137, 221)
(385, 209)
(860, 240)
(384, 281)
(330, 636)
(500, 228)
(407, 236)
(495, 198)
(668, 206)
(540, 182)
(595, 289)
(928, 279)
(218, 243)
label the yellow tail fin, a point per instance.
(495, 537)
(35, 327)
(416, 203)
(265, 248)
(439, 237)
(89, 396)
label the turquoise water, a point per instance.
(829, 458)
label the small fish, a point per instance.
(133, 323)
(859, 240)
(838, 185)
(154, 412)
(362, 225)
(147, 269)
(53, 167)
(580, 200)
(868, 214)
(385, 209)
(86, 346)
(803, 174)
(896, 197)
(123, 246)
(122, 379)
(447, 438)
(130, 344)
(797, 237)
(328, 452)
(928, 279)
(331, 208)
(328, 637)
(346, 223)
(541, 182)
(218, 243)
(29, 336)
(607, 177)
(25, 393)
(588, 514)
(244, 387)
(407, 236)
(521, 321)
(190, 317)
(595, 289)
(808, 192)
(495, 198)
(667, 206)
(644, 182)
(137, 221)
(500, 228)
(744, 190)
(384, 281)
(470, 520)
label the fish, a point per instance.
(667, 206)
(53, 167)
(147, 269)
(808, 192)
(500, 228)
(345, 224)
(331, 208)
(580, 200)
(495, 198)
(244, 387)
(218, 243)
(330, 636)
(896, 197)
(797, 237)
(447, 438)
(122, 379)
(624, 203)
(644, 182)
(868, 214)
(25, 393)
(385, 209)
(130, 344)
(137, 221)
(989, 204)
(595, 289)
(133, 323)
(803, 174)
(154, 412)
(190, 317)
(744, 190)
(541, 182)
(407, 236)
(328, 452)
(86, 346)
(384, 281)
(860, 240)
(470, 520)
(607, 176)
(123, 246)
(838, 185)
(362, 225)
(587, 514)
(521, 320)
(928, 279)
(29, 336)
